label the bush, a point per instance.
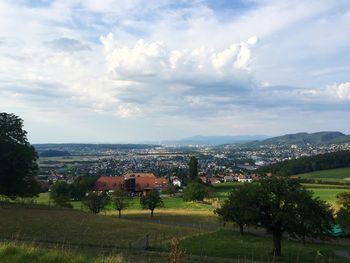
(96, 202)
(195, 191)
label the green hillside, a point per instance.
(326, 137)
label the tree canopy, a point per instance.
(240, 207)
(193, 168)
(280, 205)
(151, 201)
(96, 201)
(195, 191)
(121, 199)
(18, 158)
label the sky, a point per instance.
(144, 70)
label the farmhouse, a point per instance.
(132, 182)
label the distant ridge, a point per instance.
(324, 137)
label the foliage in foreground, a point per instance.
(18, 158)
(343, 214)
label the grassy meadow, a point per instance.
(229, 244)
(67, 226)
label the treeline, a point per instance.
(309, 164)
(53, 153)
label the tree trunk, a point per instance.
(277, 240)
(152, 212)
(241, 229)
(120, 212)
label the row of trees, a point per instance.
(62, 193)
(280, 205)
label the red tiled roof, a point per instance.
(105, 183)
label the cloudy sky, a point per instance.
(135, 70)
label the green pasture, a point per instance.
(48, 224)
(229, 244)
(336, 175)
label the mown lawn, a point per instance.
(39, 223)
(230, 244)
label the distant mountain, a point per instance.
(326, 137)
(216, 140)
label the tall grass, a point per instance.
(17, 253)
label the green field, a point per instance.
(65, 226)
(230, 244)
(335, 175)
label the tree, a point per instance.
(279, 204)
(314, 216)
(80, 186)
(170, 189)
(282, 205)
(121, 200)
(343, 214)
(241, 207)
(60, 194)
(195, 191)
(18, 159)
(193, 168)
(95, 201)
(151, 201)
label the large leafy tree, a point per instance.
(18, 159)
(151, 201)
(241, 206)
(285, 206)
(281, 205)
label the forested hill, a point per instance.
(326, 137)
(309, 164)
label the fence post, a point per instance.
(147, 242)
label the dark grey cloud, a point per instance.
(68, 44)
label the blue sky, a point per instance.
(128, 71)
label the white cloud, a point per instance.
(193, 61)
(155, 60)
